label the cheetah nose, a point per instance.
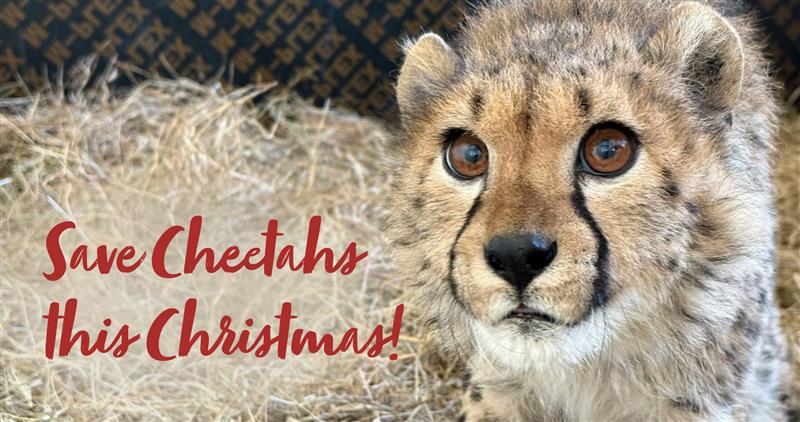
(518, 259)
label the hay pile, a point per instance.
(787, 180)
(125, 167)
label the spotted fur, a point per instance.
(663, 282)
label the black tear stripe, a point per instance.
(600, 285)
(450, 280)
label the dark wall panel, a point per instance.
(344, 50)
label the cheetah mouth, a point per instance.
(527, 314)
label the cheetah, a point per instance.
(582, 204)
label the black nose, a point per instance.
(518, 259)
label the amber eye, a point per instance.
(466, 156)
(607, 151)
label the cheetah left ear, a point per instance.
(704, 50)
(427, 68)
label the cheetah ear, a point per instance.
(428, 66)
(704, 50)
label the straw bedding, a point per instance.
(125, 166)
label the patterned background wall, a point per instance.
(339, 49)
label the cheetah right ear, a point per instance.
(704, 50)
(428, 66)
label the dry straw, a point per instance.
(787, 180)
(125, 166)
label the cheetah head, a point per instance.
(560, 179)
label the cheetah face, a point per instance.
(538, 190)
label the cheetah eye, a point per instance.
(466, 156)
(607, 150)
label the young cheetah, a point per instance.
(584, 206)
